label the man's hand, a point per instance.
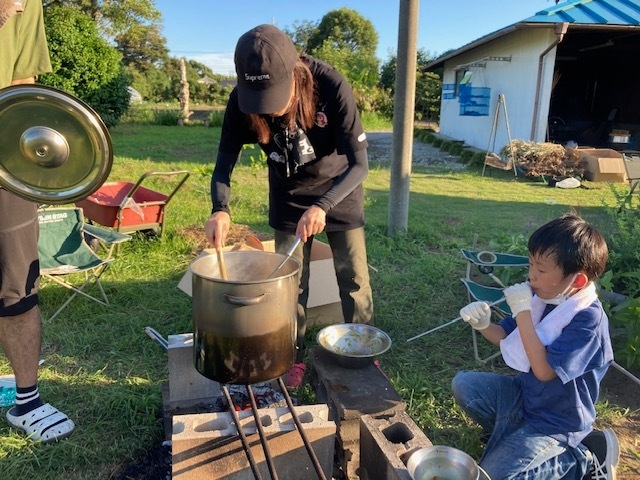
(477, 314)
(519, 297)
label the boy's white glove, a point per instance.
(519, 297)
(477, 314)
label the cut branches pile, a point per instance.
(544, 159)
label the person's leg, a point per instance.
(487, 398)
(494, 401)
(352, 272)
(20, 320)
(525, 453)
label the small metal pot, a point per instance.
(441, 461)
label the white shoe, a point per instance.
(44, 424)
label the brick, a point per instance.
(386, 442)
(207, 445)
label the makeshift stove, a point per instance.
(359, 429)
(280, 441)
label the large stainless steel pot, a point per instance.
(245, 326)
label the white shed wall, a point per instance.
(516, 80)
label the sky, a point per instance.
(207, 30)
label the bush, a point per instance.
(623, 277)
(166, 117)
(215, 118)
(139, 114)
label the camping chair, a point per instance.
(632, 166)
(485, 261)
(64, 252)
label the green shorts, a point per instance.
(19, 265)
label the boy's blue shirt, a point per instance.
(564, 407)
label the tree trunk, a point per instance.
(184, 94)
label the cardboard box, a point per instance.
(603, 165)
(323, 286)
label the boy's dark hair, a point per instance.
(575, 244)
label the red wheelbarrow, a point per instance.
(131, 207)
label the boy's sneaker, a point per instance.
(605, 451)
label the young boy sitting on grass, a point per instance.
(539, 423)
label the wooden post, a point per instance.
(184, 94)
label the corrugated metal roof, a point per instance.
(591, 12)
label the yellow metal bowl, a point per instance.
(353, 345)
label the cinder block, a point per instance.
(386, 442)
(187, 387)
(207, 445)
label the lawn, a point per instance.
(104, 371)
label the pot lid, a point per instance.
(54, 148)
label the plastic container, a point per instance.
(474, 101)
(7, 390)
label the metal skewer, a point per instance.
(451, 322)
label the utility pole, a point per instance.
(403, 115)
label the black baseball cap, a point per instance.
(265, 58)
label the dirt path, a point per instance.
(424, 154)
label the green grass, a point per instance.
(102, 369)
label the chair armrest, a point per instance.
(110, 237)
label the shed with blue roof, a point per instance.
(566, 74)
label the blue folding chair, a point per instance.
(485, 262)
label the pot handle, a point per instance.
(245, 301)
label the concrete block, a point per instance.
(187, 386)
(386, 442)
(207, 445)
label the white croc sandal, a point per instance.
(44, 424)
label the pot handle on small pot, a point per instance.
(245, 301)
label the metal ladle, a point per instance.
(292, 248)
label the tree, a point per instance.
(113, 17)
(345, 29)
(300, 33)
(133, 25)
(84, 64)
(428, 85)
(142, 47)
(347, 40)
